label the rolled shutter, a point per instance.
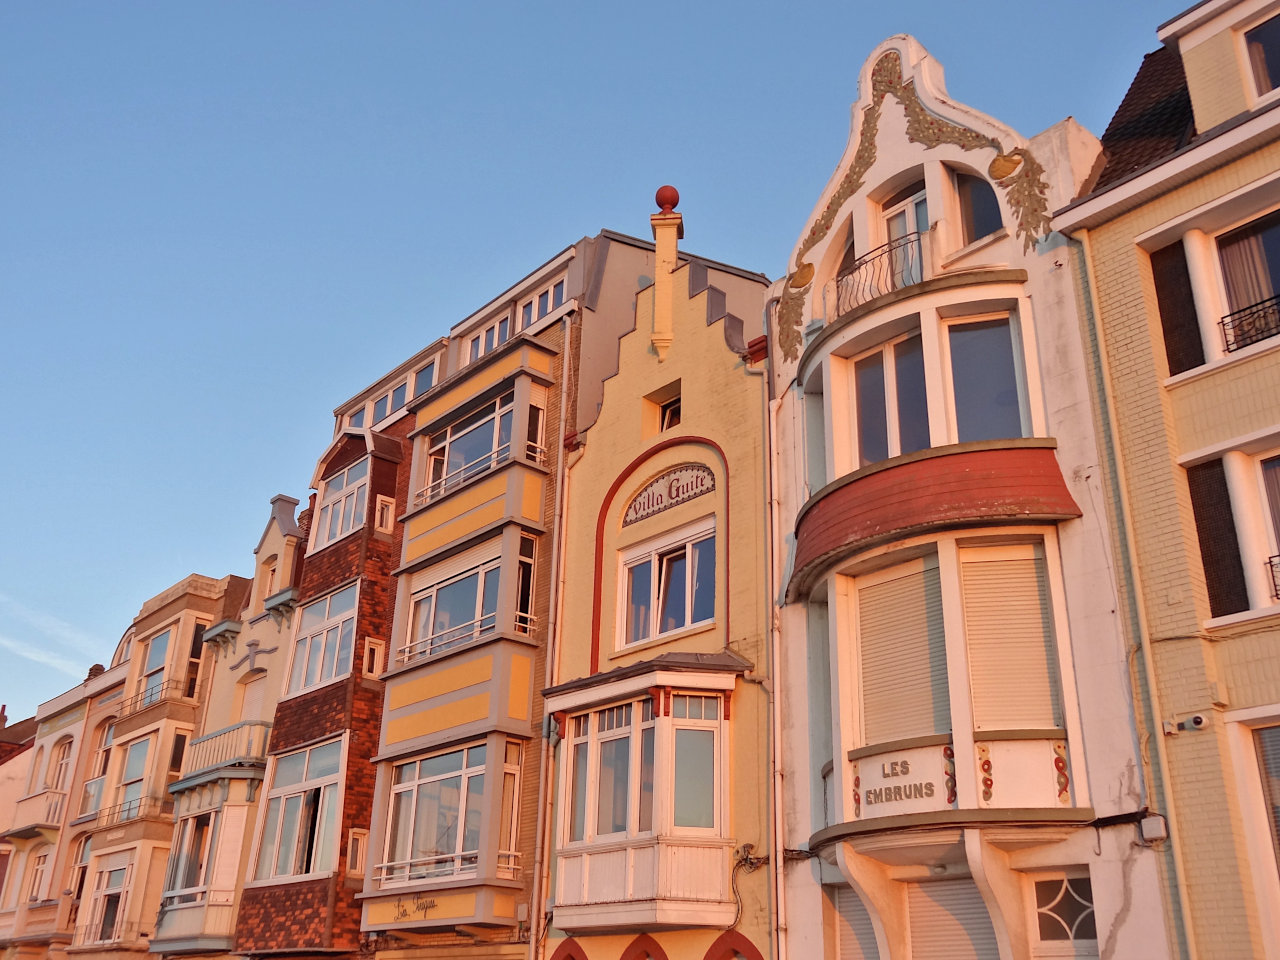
(855, 936)
(1008, 624)
(903, 657)
(949, 921)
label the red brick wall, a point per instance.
(964, 488)
(287, 916)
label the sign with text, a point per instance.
(678, 485)
(903, 781)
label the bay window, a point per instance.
(437, 824)
(326, 636)
(631, 771)
(986, 380)
(468, 448)
(342, 506)
(299, 827)
(889, 394)
(669, 584)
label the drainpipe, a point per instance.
(769, 409)
(1146, 714)
(541, 862)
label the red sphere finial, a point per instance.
(667, 198)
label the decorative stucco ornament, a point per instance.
(1020, 176)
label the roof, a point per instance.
(1153, 121)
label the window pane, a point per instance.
(639, 595)
(475, 805)
(646, 780)
(704, 580)
(1268, 741)
(285, 858)
(379, 409)
(472, 449)
(436, 820)
(985, 381)
(444, 763)
(526, 315)
(489, 604)
(398, 396)
(401, 819)
(1271, 490)
(979, 208)
(356, 419)
(544, 301)
(695, 778)
(873, 433)
(615, 764)
(156, 651)
(671, 597)
(913, 409)
(455, 609)
(578, 802)
(268, 839)
(1263, 44)
(313, 660)
(422, 379)
(135, 764)
(342, 663)
(357, 471)
(290, 769)
(475, 756)
(557, 295)
(322, 844)
(324, 760)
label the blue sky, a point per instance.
(220, 220)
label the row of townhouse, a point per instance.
(921, 604)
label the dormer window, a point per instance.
(1263, 45)
(343, 507)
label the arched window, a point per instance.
(60, 765)
(731, 945)
(979, 208)
(103, 737)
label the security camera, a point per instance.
(1198, 721)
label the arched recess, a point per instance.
(731, 945)
(644, 947)
(569, 950)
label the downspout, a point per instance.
(541, 862)
(778, 842)
(1146, 712)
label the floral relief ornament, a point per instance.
(1017, 173)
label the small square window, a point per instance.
(424, 378)
(398, 396)
(380, 409)
(669, 414)
(357, 419)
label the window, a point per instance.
(669, 585)
(986, 380)
(356, 419)
(525, 621)
(437, 805)
(326, 634)
(189, 862)
(424, 379)
(1263, 45)
(1064, 921)
(194, 656)
(133, 780)
(390, 402)
(109, 894)
(547, 302)
(906, 216)
(669, 414)
(1006, 617)
(384, 514)
(979, 208)
(489, 339)
(151, 686)
(92, 798)
(1270, 471)
(299, 826)
(1250, 258)
(454, 612)
(342, 508)
(891, 414)
(621, 755)
(471, 447)
(38, 873)
(60, 765)
(80, 867)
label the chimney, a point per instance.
(4, 717)
(96, 670)
(668, 227)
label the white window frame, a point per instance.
(346, 496)
(488, 338)
(103, 740)
(327, 636)
(483, 624)
(545, 302)
(416, 387)
(1017, 348)
(130, 807)
(652, 552)
(1042, 949)
(324, 793)
(102, 893)
(464, 859)
(887, 353)
(587, 732)
(437, 481)
(191, 851)
(38, 873)
(1255, 94)
(151, 679)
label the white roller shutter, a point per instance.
(458, 563)
(949, 921)
(226, 851)
(1008, 623)
(855, 937)
(903, 655)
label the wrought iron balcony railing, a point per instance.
(1251, 324)
(169, 690)
(1274, 564)
(156, 807)
(897, 264)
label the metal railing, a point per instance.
(537, 453)
(451, 481)
(897, 264)
(448, 639)
(1251, 324)
(158, 807)
(1274, 564)
(169, 690)
(246, 742)
(526, 623)
(509, 864)
(116, 932)
(462, 864)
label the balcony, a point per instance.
(152, 807)
(645, 884)
(1274, 564)
(156, 693)
(893, 266)
(448, 639)
(451, 481)
(39, 812)
(1252, 324)
(109, 932)
(240, 745)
